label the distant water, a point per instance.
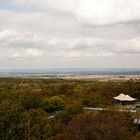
(77, 71)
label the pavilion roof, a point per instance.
(123, 97)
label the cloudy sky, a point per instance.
(69, 34)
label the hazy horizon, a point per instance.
(69, 68)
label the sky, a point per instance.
(37, 34)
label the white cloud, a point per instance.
(130, 46)
(16, 44)
(33, 52)
(95, 12)
(61, 5)
(27, 44)
(77, 54)
(39, 22)
(101, 12)
(13, 38)
(21, 53)
(70, 33)
(93, 47)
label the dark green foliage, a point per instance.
(69, 112)
(13, 122)
(30, 101)
(4, 96)
(38, 124)
(18, 124)
(94, 100)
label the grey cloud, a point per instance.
(60, 37)
(92, 12)
(13, 38)
(119, 31)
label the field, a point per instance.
(100, 77)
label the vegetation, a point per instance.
(54, 103)
(27, 104)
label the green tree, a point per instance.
(100, 126)
(38, 125)
(30, 101)
(69, 112)
(53, 104)
(13, 122)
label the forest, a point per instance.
(26, 105)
